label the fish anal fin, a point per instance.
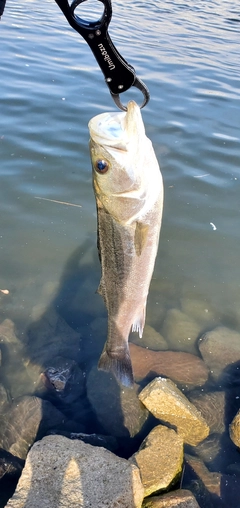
(140, 237)
(119, 363)
(139, 322)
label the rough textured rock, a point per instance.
(183, 368)
(181, 331)
(118, 409)
(217, 451)
(160, 459)
(151, 339)
(167, 403)
(180, 498)
(25, 419)
(234, 430)
(60, 473)
(62, 379)
(212, 407)
(220, 348)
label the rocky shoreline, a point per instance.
(71, 436)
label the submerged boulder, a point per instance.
(220, 349)
(184, 369)
(117, 408)
(23, 421)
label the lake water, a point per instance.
(188, 55)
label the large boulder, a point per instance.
(184, 369)
(181, 331)
(117, 408)
(61, 473)
(167, 403)
(160, 459)
(220, 349)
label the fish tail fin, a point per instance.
(118, 362)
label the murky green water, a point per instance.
(188, 55)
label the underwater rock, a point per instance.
(62, 473)
(234, 430)
(117, 408)
(51, 336)
(216, 451)
(151, 339)
(23, 421)
(199, 310)
(159, 459)
(62, 379)
(180, 498)
(181, 331)
(10, 466)
(167, 403)
(212, 407)
(3, 396)
(13, 370)
(211, 488)
(220, 348)
(183, 368)
(108, 442)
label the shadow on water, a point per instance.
(61, 351)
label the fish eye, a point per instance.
(101, 166)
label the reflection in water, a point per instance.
(188, 56)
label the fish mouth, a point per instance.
(117, 130)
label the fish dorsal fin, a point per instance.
(140, 237)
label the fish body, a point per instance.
(128, 189)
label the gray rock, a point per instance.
(25, 419)
(220, 348)
(167, 403)
(118, 409)
(181, 331)
(63, 379)
(60, 473)
(151, 339)
(160, 459)
(180, 498)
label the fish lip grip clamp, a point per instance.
(119, 75)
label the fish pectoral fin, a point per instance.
(139, 322)
(140, 237)
(118, 362)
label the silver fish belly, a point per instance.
(129, 197)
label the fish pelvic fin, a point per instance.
(118, 361)
(139, 323)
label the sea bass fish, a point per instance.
(128, 189)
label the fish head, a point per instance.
(120, 151)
